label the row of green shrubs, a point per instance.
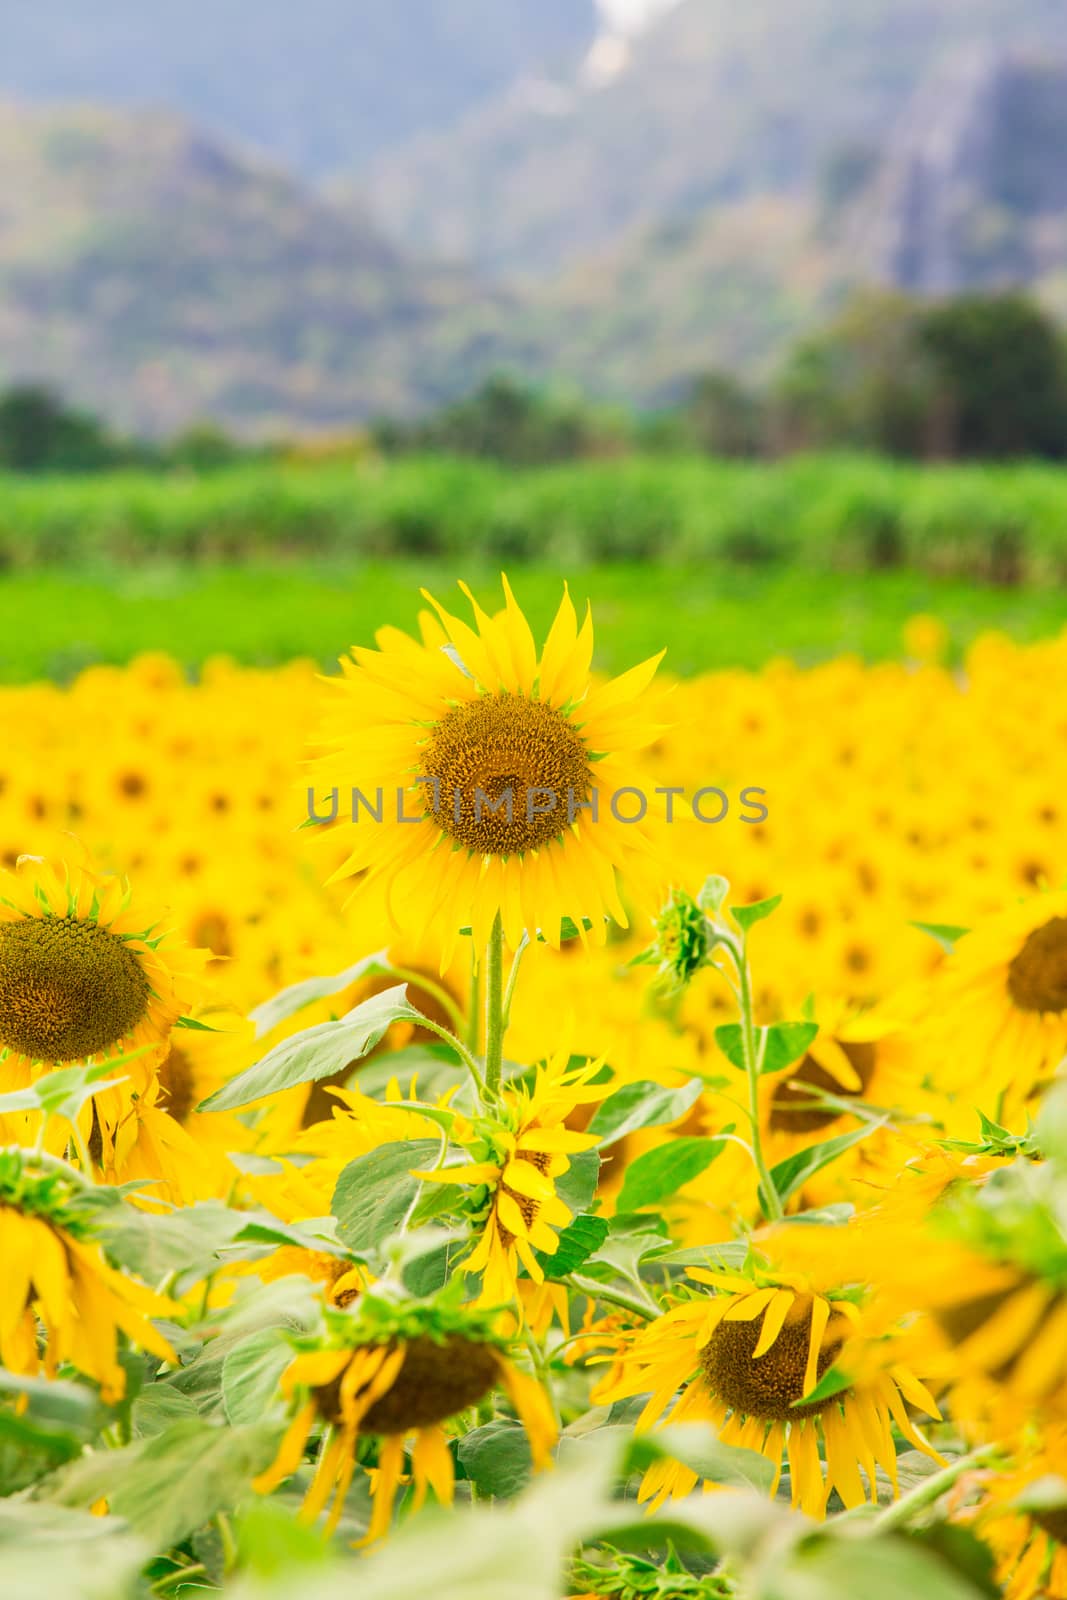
(1003, 525)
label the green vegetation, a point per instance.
(53, 624)
(1005, 525)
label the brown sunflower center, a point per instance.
(526, 1204)
(177, 1080)
(1053, 1521)
(510, 774)
(68, 988)
(793, 1105)
(769, 1386)
(437, 1380)
(1037, 978)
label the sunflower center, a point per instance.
(526, 1204)
(1053, 1521)
(510, 774)
(768, 1387)
(177, 1081)
(436, 1381)
(68, 988)
(1037, 978)
(793, 1107)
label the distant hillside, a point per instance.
(731, 289)
(719, 101)
(162, 275)
(972, 191)
(323, 84)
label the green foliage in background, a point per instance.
(1003, 525)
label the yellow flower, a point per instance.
(1022, 1516)
(987, 1267)
(745, 1359)
(996, 1016)
(84, 973)
(530, 1147)
(508, 760)
(62, 1281)
(401, 1385)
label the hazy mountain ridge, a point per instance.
(719, 101)
(324, 85)
(160, 274)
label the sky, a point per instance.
(628, 16)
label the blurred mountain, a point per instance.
(162, 275)
(323, 85)
(972, 189)
(718, 101)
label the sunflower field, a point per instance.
(473, 1128)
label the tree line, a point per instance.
(972, 378)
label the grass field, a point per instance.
(54, 623)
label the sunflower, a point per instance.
(55, 1274)
(988, 1268)
(744, 1360)
(998, 1008)
(518, 1158)
(84, 973)
(1022, 1516)
(511, 761)
(397, 1372)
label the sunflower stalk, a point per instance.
(752, 1046)
(494, 1012)
(930, 1490)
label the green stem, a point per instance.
(616, 1297)
(543, 1373)
(459, 1047)
(474, 1003)
(436, 991)
(494, 1010)
(513, 975)
(930, 1489)
(752, 1054)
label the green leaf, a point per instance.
(713, 893)
(878, 1569)
(184, 1243)
(250, 1374)
(665, 1169)
(496, 1458)
(946, 934)
(698, 1446)
(729, 1254)
(577, 1242)
(316, 1052)
(61, 1093)
(789, 1175)
(786, 1043)
(746, 917)
(168, 1486)
(296, 996)
(157, 1408)
(375, 1192)
(833, 1381)
(577, 1186)
(730, 1040)
(642, 1105)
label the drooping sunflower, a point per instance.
(84, 973)
(57, 1277)
(507, 761)
(518, 1157)
(744, 1360)
(397, 1372)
